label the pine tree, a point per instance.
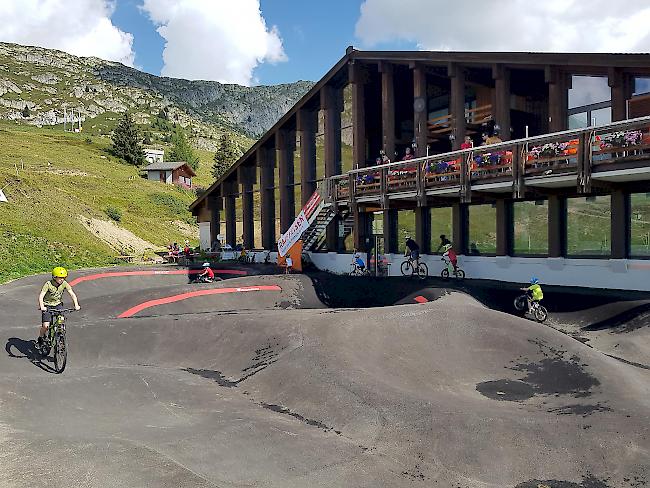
(26, 112)
(226, 155)
(182, 151)
(126, 141)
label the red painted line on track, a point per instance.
(114, 274)
(184, 296)
(420, 299)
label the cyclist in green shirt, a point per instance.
(534, 292)
(51, 298)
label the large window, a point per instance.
(405, 227)
(640, 225)
(531, 227)
(589, 102)
(588, 226)
(441, 220)
(482, 229)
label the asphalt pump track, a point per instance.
(265, 380)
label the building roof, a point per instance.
(153, 151)
(581, 63)
(168, 166)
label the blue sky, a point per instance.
(279, 41)
(315, 35)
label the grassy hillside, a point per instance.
(40, 226)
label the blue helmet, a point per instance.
(534, 280)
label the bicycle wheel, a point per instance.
(423, 271)
(541, 314)
(407, 268)
(60, 353)
(445, 274)
(460, 274)
(520, 303)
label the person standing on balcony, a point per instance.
(407, 154)
(467, 143)
(494, 138)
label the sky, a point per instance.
(252, 42)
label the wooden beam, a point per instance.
(420, 111)
(388, 109)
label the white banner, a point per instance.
(291, 236)
(3, 198)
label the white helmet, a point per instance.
(206, 265)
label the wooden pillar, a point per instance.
(423, 229)
(501, 110)
(231, 223)
(246, 176)
(360, 229)
(215, 205)
(390, 231)
(420, 110)
(504, 227)
(558, 98)
(621, 86)
(307, 124)
(457, 104)
(460, 227)
(247, 215)
(556, 226)
(620, 224)
(331, 104)
(358, 80)
(388, 108)
(266, 163)
(284, 145)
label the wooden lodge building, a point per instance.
(560, 191)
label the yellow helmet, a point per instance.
(59, 272)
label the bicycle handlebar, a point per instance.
(60, 310)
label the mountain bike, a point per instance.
(55, 340)
(409, 268)
(449, 270)
(537, 310)
(358, 270)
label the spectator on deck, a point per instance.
(484, 139)
(407, 154)
(468, 143)
(493, 139)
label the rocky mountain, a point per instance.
(39, 85)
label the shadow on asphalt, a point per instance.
(27, 350)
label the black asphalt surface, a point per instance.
(331, 381)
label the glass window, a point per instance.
(320, 147)
(578, 121)
(297, 199)
(441, 220)
(531, 227)
(641, 85)
(405, 227)
(586, 90)
(346, 131)
(588, 226)
(239, 219)
(640, 225)
(482, 229)
(601, 116)
(257, 224)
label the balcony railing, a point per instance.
(576, 152)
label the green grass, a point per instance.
(39, 227)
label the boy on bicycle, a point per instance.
(358, 262)
(50, 299)
(449, 253)
(533, 292)
(413, 250)
(207, 275)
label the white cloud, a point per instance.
(509, 25)
(79, 27)
(222, 40)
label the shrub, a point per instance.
(114, 213)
